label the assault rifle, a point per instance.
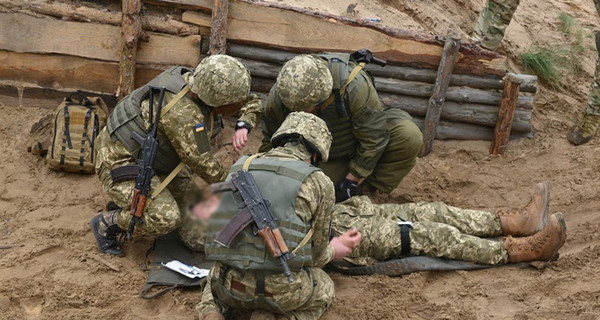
(366, 56)
(145, 162)
(256, 209)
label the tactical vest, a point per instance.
(279, 182)
(127, 118)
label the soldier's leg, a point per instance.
(492, 22)
(336, 170)
(586, 128)
(320, 300)
(208, 303)
(399, 157)
(444, 241)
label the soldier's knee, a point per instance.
(410, 137)
(161, 221)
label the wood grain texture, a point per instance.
(438, 96)
(506, 114)
(276, 26)
(463, 131)
(131, 34)
(218, 27)
(24, 33)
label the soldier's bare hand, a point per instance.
(239, 139)
(345, 243)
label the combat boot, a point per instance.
(542, 246)
(262, 315)
(213, 315)
(585, 130)
(531, 218)
(105, 229)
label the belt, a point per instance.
(242, 288)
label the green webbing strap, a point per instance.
(351, 77)
(281, 170)
(178, 97)
(165, 182)
(84, 136)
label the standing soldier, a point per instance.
(492, 23)
(370, 143)
(194, 101)
(301, 197)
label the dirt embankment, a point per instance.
(57, 274)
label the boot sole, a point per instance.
(563, 238)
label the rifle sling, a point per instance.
(178, 97)
(165, 182)
(351, 77)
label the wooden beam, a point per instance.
(63, 72)
(436, 102)
(24, 33)
(218, 27)
(506, 115)
(301, 30)
(30, 95)
(131, 33)
(81, 12)
(463, 131)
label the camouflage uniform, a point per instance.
(439, 231)
(177, 127)
(492, 22)
(371, 142)
(312, 291)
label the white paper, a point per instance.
(186, 270)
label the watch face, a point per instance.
(241, 124)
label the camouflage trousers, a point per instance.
(162, 215)
(593, 105)
(439, 231)
(493, 21)
(399, 157)
(308, 297)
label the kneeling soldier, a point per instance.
(246, 275)
(191, 115)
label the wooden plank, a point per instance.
(218, 27)
(463, 131)
(131, 33)
(506, 115)
(275, 26)
(436, 102)
(478, 114)
(24, 33)
(68, 72)
(30, 95)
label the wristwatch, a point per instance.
(243, 124)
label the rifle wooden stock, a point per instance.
(138, 204)
(271, 241)
(234, 227)
(280, 241)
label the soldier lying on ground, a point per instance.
(220, 85)
(370, 143)
(245, 275)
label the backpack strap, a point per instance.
(84, 136)
(337, 94)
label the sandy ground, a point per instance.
(58, 274)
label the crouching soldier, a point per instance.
(194, 101)
(246, 275)
(438, 230)
(371, 144)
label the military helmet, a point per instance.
(220, 80)
(304, 82)
(311, 128)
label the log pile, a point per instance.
(50, 47)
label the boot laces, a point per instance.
(589, 123)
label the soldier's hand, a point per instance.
(239, 139)
(345, 243)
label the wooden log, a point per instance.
(131, 33)
(464, 131)
(30, 95)
(24, 33)
(300, 30)
(506, 115)
(279, 57)
(458, 94)
(218, 27)
(436, 102)
(478, 114)
(68, 72)
(67, 11)
(405, 88)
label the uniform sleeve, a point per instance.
(369, 126)
(315, 204)
(272, 120)
(251, 111)
(179, 126)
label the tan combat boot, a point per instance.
(262, 315)
(213, 315)
(531, 218)
(542, 246)
(584, 130)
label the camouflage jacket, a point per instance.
(369, 125)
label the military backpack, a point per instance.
(75, 125)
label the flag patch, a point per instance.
(199, 127)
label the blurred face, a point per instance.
(204, 210)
